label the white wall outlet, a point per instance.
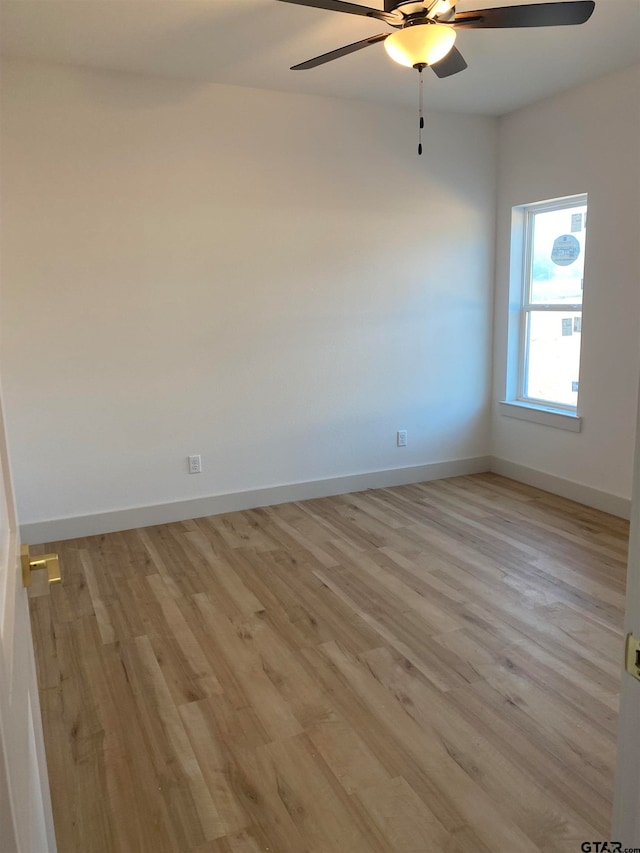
(401, 438)
(195, 464)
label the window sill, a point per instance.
(540, 415)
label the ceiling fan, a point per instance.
(427, 28)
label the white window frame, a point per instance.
(517, 403)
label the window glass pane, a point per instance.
(553, 364)
(557, 258)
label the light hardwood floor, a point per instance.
(423, 668)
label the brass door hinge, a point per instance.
(632, 656)
(50, 562)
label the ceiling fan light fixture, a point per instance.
(420, 44)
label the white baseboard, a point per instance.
(578, 492)
(59, 529)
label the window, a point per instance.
(547, 284)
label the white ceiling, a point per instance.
(253, 43)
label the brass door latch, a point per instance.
(632, 656)
(50, 562)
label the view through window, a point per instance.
(552, 302)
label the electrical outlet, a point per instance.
(401, 438)
(195, 464)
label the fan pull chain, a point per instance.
(420, 111)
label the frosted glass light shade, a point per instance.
(421, 44)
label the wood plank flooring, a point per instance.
(423, 668)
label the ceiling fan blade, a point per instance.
(453, 63)
(350, 8)
(341, 51)
(534, 15)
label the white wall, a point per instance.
(274, 281)
(584, 140)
